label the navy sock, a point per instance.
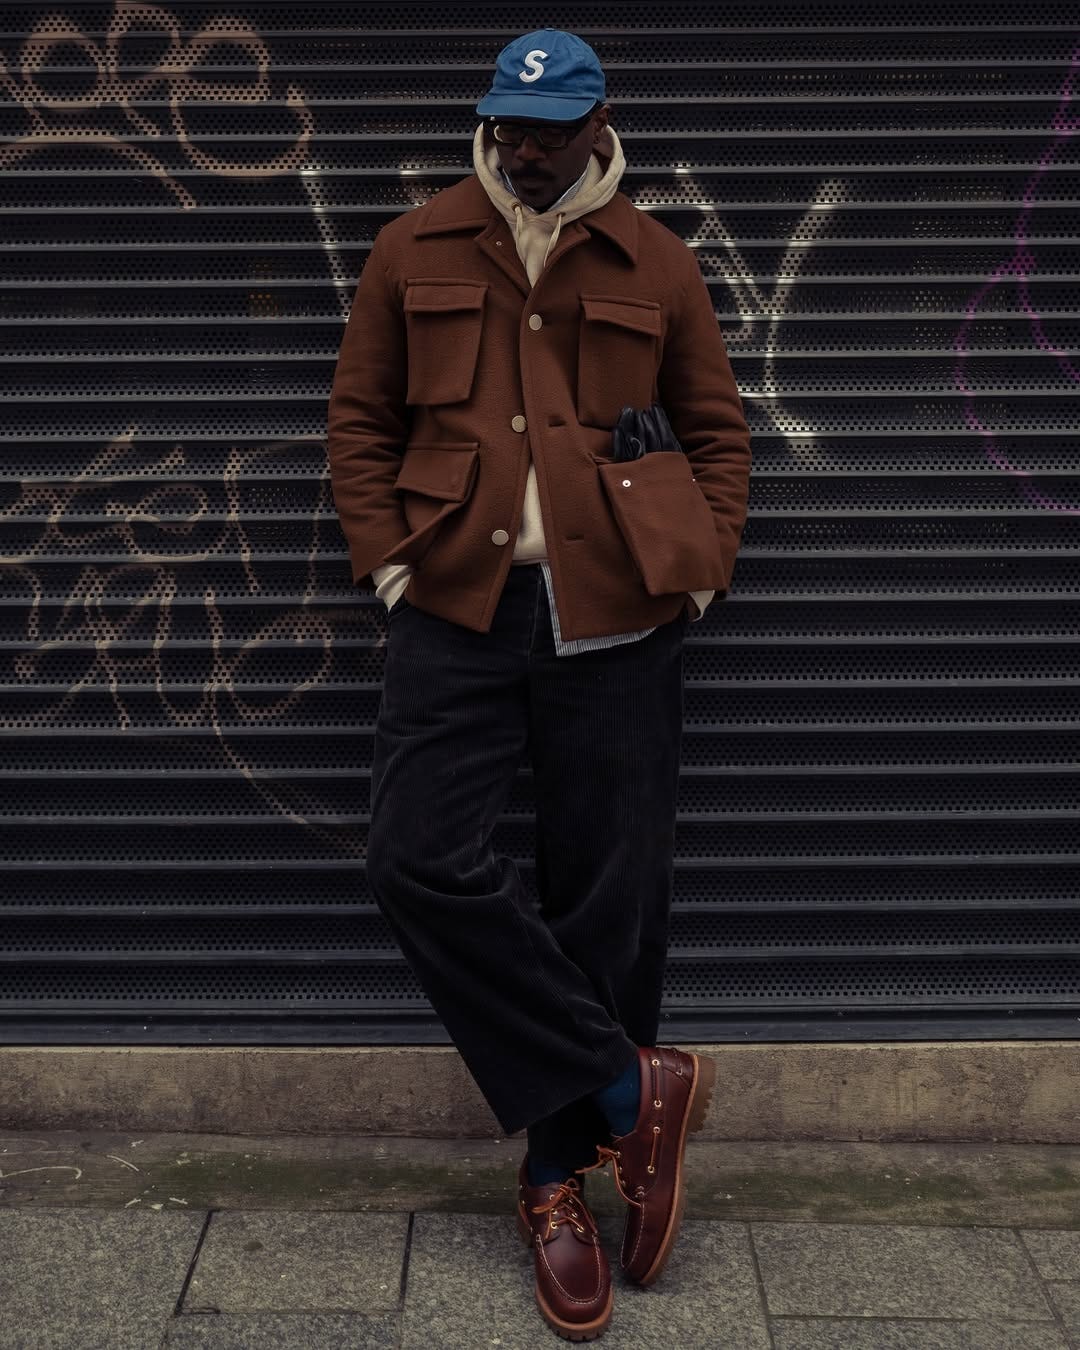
(542, 1173)
(621, 1099)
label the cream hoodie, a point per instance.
(535, 235)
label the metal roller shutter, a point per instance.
(878, 825)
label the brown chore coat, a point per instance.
(452, 370)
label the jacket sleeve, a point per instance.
(367, 420)
(697, 388)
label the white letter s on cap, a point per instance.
(531, 63)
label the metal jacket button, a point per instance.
(518, 423)
(500, 537)
(535, 322)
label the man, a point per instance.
(538, 595)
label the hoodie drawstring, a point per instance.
(560, 216)
(520, 226)
(519, 223)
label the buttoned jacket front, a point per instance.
(453, 370)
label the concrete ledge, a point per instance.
(1002, 1184)
(978, 1091)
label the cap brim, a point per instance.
(534, 107)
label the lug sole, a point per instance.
(577, 1331)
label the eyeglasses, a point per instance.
(551, 137)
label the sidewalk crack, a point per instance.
(405, 1259)
(178, 1309)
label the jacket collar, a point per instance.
(466, 206)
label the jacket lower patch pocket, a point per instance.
(434, 481)
(666, 523)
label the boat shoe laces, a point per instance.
(566, 1205)
(607, 1155)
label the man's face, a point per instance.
(540, 176)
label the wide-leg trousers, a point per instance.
(546, 999)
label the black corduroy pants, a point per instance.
(546, 1001)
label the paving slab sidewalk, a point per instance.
(196, 1241)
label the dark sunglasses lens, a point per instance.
(551, 138)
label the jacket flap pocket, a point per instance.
(441, 470)
(641, 315)
(666, 523)
(425, 297)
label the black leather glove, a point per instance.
(641, 431)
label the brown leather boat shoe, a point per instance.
(573, 1279)
(675, 1089)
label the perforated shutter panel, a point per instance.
(878, 818)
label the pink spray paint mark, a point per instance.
(1020, 267)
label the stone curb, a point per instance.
(979, 1091)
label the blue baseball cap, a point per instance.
(546, 76)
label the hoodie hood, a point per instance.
(537, 232)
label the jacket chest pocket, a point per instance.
(618, 357)
(443, 320)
